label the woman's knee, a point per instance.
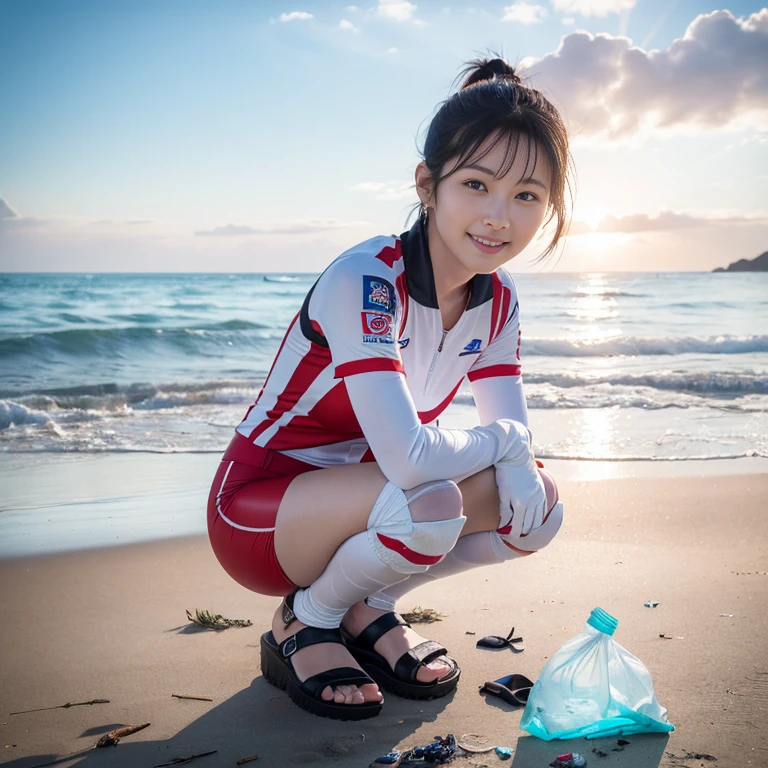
(438, 500)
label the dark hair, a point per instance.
(492, 101)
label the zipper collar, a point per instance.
(420, 277)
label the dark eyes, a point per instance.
(478, 186)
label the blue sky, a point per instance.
(253, 136)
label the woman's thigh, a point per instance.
(318, 512)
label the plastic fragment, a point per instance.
(651, 604)
(495, 642)
(504, 753)
(389, 759)
(569, 760)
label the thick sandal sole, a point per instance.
(277, 672)
(369, 661)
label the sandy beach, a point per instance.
(110, 623)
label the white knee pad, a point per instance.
(507, 546)
(402, 544)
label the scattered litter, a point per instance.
(623, 743)
(495, 642)
(184, 696)
(599, 752)
(651, 604)
(421, 615)
(475, 743)
(113, 737)
(504, 753)
(391, 758)
(244, 760)
(216, 620)
(439, 752)
(188, 759)
(569, 760)
(514, 689)
(726, 615)
(470, 633)
(63, 706)
(671, 637)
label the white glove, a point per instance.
(523, 499)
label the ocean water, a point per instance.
(645, 366)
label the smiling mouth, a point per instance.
(491, 243)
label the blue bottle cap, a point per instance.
(603, 621)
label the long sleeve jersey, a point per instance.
(365, 368)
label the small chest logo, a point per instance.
(473, 348)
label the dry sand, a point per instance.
(110, 624)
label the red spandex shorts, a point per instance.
(242, 507)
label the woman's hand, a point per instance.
(523, 499)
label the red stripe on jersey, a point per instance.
(368, 365)
(331, 420)
(402, 292)
(272, 367)
(426, 416)
(519, 337)
(507, 297)
(494, 370)
(495, 304)
(310, 367)
(390, 254)
(368, 457)
(409, 554)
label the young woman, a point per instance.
(336, 490)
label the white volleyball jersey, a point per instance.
(375, 309)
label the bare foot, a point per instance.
(393, 644)
(318, 658)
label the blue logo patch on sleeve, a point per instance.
(378, 294)
(473, 348)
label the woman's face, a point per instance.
(481, 221)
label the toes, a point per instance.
(433, 671)
(371, 692)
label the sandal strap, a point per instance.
(288, 616)
(371, 634)
(408, 664)
(309, 636)
(334, 677)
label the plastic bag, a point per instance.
(593, 687)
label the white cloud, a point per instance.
(524, 13)
(391, 50)
(344, 24)
(568, 21)
(6, 212)
(714, 77)
(299, 227)
(399, 10)
(599, 8)
(388, 190)
(296, 16)
(351, 8)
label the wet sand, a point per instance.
(110, 623)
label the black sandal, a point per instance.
(402, 680)
(277, 668)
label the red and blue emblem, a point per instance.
(378, 294)
(377, 328)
